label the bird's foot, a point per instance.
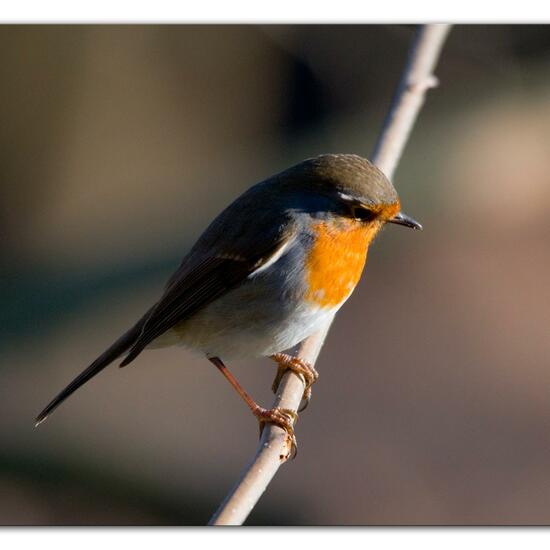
(301, 368)
(284, 419)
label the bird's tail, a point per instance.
(124, 343)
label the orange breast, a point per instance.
(336, 260)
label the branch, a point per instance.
(273, 449)
(417, 78)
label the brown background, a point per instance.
(118, 144)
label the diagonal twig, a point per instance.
(273, 449)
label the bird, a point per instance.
(268, 272)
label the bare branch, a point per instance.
(273, 449)
(417, 78)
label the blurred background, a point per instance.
(118, 144)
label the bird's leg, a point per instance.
(284, 418)
(303, 369)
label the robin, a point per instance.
(268, 272)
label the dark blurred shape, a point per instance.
(307, 99)
(531, 42)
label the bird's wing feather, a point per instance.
(207, 273)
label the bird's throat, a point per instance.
(336, 260)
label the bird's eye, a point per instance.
(362, 213)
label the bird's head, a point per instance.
(351, 186)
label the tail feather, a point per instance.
(125, 342)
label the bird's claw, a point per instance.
(301, 368)
(284, 419)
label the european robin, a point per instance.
(267, 273)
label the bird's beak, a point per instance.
(403, 219)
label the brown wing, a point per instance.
(192, 289)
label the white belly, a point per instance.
(252, 333)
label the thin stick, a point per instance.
(273, 449)
(409, 97)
